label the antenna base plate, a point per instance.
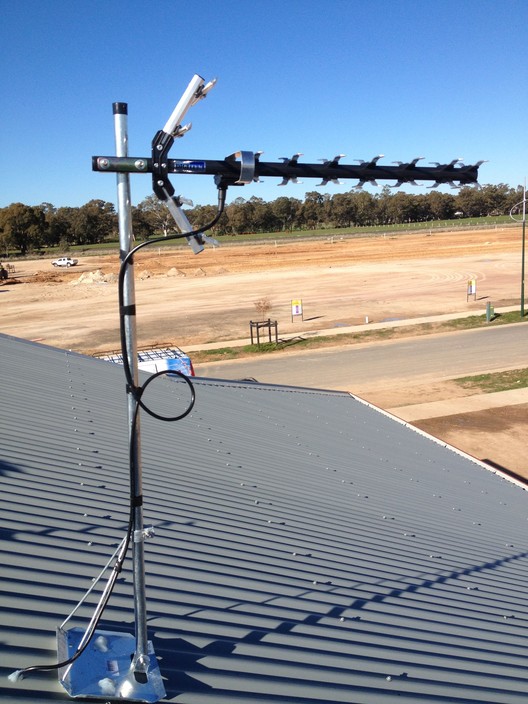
(103, 670)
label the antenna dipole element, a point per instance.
(195, 91)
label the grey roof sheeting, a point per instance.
(309, 548)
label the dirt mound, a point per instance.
(94, 277)
(175, 272)
(44, 277)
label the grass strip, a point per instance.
(497, 381)
(388, 333)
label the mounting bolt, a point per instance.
(140, 164)
(103, 163)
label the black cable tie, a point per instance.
(128, 310)
(137, 501)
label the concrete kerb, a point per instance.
(464, 404)
(352, 329)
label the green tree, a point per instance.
(6, 240)
(365, 207)
(442, 206)
(142, 225)
(94, 222)
(262, 213)
(487, 200)
(202, 215)
(157, 213)
(23, 226)
(48, 209)
(312, 209)
(382, 201)
(286, 212)
(342, 209)
(60, 227)
(497, 198)
(238, 217)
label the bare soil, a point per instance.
(187, 300)
(495, 436)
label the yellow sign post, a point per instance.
(296, 308)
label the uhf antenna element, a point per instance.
(196, 90)
(244, 167)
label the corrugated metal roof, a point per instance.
(308, 548)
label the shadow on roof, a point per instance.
(6, 469)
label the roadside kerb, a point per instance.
(464, 404)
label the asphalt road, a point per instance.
(443, 356)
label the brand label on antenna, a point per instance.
(189, 166)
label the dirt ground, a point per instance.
(185, 299)
(495, 435)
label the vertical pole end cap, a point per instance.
(120, 108)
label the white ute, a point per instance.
(64, 261)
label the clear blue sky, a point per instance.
(406, 78)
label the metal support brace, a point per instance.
(247, 167)
(141, 535)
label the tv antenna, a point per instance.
(105, 664)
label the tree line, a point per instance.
(27, 228)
